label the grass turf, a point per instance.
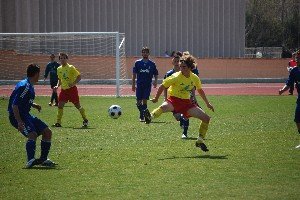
(251, 141)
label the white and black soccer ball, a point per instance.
(115, 111)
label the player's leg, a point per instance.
(139, 105)
(297, 119)
(164, 107)
(200, 114)
(74, 98)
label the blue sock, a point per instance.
(299, 131)
(45, 148)
(30, 149)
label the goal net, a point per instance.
(99, 56)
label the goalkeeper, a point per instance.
(51, 69)
(68, 77)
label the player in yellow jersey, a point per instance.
(180, 86)
(68, 77)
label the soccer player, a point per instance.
(51, 69)
(143, 71)
(292, 64)
(181, 84)
(20, 103)
(68, 77)
(294, 77)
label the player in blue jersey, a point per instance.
(20, 103)
(142, 74)
(51, 69)
(294, 78)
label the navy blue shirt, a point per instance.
(294, 77)
(22, 96)
(52, 69)
(144, 71)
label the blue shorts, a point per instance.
(32, 124)
(297, 113)
(143, 92)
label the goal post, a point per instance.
(99, 56)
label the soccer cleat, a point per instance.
(142, 119)
(201, 145)
(50, 104)
(48, 163)
(147, 116)
(183, 136)
(56, 104)
(297, 147)
(32, 162)
(56, 125)
(85, 123)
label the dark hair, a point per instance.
(32, 70)
(189, 61)
(62, 54)
(146, 49)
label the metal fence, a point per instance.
(263, 52)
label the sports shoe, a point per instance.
(48, 163)
(201, 145)
(32, 162)
(297, 147)
(85, 123)
(142, 119)
(183, 136)
(56, 125)
(147, 116)
(50, 104)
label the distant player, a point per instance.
(143, 71)
(292, 64)
(51, 69)
(294, 77)
(20, 103)
(181, 84)
(68, 77)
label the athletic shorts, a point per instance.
(297, 113)
(143, 92)
(32, 124)
(70, 94)
(181, 105)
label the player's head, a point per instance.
(188, 61)
(176, 60)
(33, 72)
(52, 57)
(145, 52)
(63, 57)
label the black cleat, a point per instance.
(56, 125)
(202, 146)
(85, 123)
(147, 116)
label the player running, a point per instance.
(20, 103)
(181, 84)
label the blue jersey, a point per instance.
(52, 69)
(294, 77)
(22, 96)
(144, 71)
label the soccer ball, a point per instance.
(259, 55)
(115, 111)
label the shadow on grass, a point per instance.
(220, 157)
(42, 168)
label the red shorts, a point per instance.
(181, 105)
(70, 94)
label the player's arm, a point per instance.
(155, 81)
(18, 117)
(46, 72)
(133, 82)
(78, 78)
(203, 96)
(158, 93)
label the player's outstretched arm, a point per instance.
(158, 93)
(203, 96)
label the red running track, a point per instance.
(210, 89)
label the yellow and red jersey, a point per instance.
(67, 74)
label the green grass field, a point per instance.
(251, 141)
